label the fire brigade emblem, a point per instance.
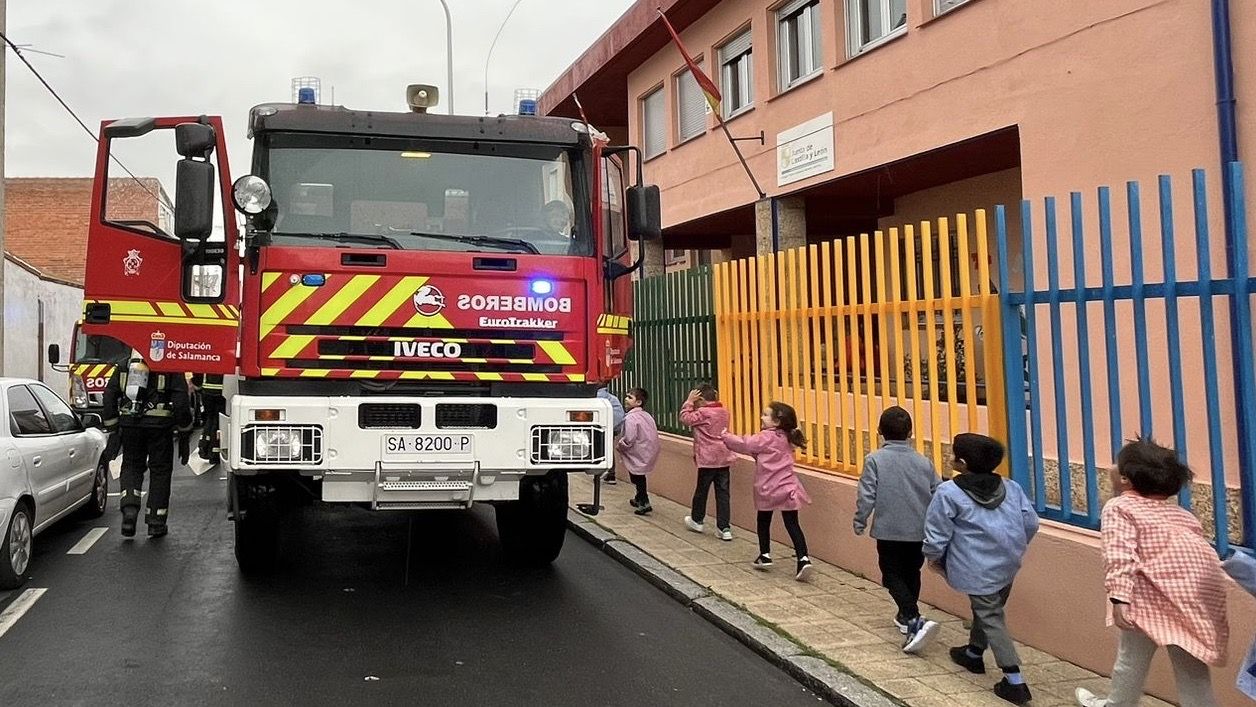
(157, 347)
(132, 262)
(429, 301)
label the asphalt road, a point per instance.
(364, 609)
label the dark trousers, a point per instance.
(723, 513)
(900, 573)
(148, 449)
(643, 497)
(791, 526)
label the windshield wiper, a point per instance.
(351, 237)
(491, 241)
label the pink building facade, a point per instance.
(875, 114)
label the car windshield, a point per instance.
(402, 194)
(96, 348)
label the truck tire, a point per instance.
(533, 528)
(256, 506)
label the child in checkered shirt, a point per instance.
(1163, 579)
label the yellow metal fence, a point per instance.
(842, 330)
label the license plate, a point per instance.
(428, 445)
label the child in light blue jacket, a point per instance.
(977, 530)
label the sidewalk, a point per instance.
(838, 615)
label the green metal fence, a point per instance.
(673, 349)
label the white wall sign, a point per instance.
(805, 150)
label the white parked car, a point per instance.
(50, 468)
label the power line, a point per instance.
(17, 50)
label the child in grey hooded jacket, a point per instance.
(976, 533)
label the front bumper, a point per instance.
(416, 452)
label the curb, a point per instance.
(830, 683)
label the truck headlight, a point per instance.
(272, 445)
(78, 392)
(567, 445)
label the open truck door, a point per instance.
(165, 286)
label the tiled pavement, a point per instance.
(838, 615)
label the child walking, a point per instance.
(977, 530)
(776, 484)
(703, 413)
(639, 446)
(1163, 579)
(895, 489)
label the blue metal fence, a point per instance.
(1050, 472)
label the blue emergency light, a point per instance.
(527, 106)
(306, 97)
(314, 280)
(542, 287)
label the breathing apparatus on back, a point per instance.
(135, 384)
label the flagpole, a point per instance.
(713, 97)
(741, 158)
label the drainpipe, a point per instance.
(1227, 128)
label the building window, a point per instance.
(871, 21)
(944, 5)
(691, 106)
(653, 124)
(737, 74)
(798, 41)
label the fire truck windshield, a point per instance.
(447, 196)
(98, 349)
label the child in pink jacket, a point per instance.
(638, 447)
(776, 484)
(703, 413)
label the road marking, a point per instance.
(88, 540)
(20, 606)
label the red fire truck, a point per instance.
(93, 360)
(418, 313)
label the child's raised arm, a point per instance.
(753, 444)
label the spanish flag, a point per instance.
(709, 89)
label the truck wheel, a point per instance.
(533, 528)
(256, 524)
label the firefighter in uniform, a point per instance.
(145, 409)
(213, 403)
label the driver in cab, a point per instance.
(556, 218)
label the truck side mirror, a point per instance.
(645, 215)
(194, 182)
(54, 354)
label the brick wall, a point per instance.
(46, 219)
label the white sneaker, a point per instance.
(1086, 698)
(919, 632)
(726, 534)
(693, 525)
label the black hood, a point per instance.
(986, 489)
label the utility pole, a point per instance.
(449, 55)
(4, 53)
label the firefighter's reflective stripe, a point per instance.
(156, 312)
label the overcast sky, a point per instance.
(175, 57)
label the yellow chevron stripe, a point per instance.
(389, 303)
(342, 300)
(204, 311)
(291, 346)
(435, 322)
(473, 360)
(315, 373)
(131, 307)
(270, 371)
(171, 309)
(269, 278)
(575, 377)
(364, 374)
(422, 375)
(174, 320)
(489, 376)
(536, 377)
(612, 332)
(286, 305)
(557, 352)
(235, 311)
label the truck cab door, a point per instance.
(612, 326)
(162, 278)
